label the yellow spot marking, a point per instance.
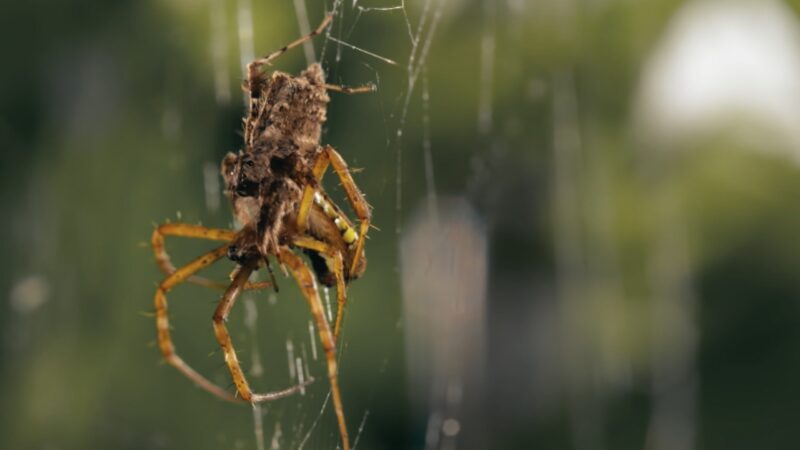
(350, 236)
(348, 233)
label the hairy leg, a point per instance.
(338, 271)
(220, 317)
(352, 90)
(198, 232)
(165, 344)
(356, 199)
(305, 279)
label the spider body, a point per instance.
(274, 186)
(265, 180)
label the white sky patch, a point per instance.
(722, 61)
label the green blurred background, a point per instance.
(630, 166)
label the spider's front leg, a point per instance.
(365, 89)
(305, 279)
(256, 79)
(241, 275)
(270, 57)
(165, 344)
(198, 232)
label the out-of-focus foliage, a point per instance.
(642, 290)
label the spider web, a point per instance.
(88, 171)
(404, 98)
(334, 50)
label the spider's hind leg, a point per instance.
(305, 279)
(165, 344)
(241, 275)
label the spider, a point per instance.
(274, 185)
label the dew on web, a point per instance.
(306, 369)
(313, 337)
(275, 444)
(328, 309)
(301, 377)
(361, 427)
(290, 355)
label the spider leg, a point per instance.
(192, 231)
(224, 307)
(305, 279)
(352, 90)
(356, 200)
(338, 271)
(165, 344)
(329, 156)
(320, 166)
(272, 56)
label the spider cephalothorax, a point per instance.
(264, 196)
(274, 186)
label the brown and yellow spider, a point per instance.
(275, 191)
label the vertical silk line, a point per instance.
(219, 52)
(416, 62)
(305, 28)
(258, 427)
(430, 182)
(247, 52)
